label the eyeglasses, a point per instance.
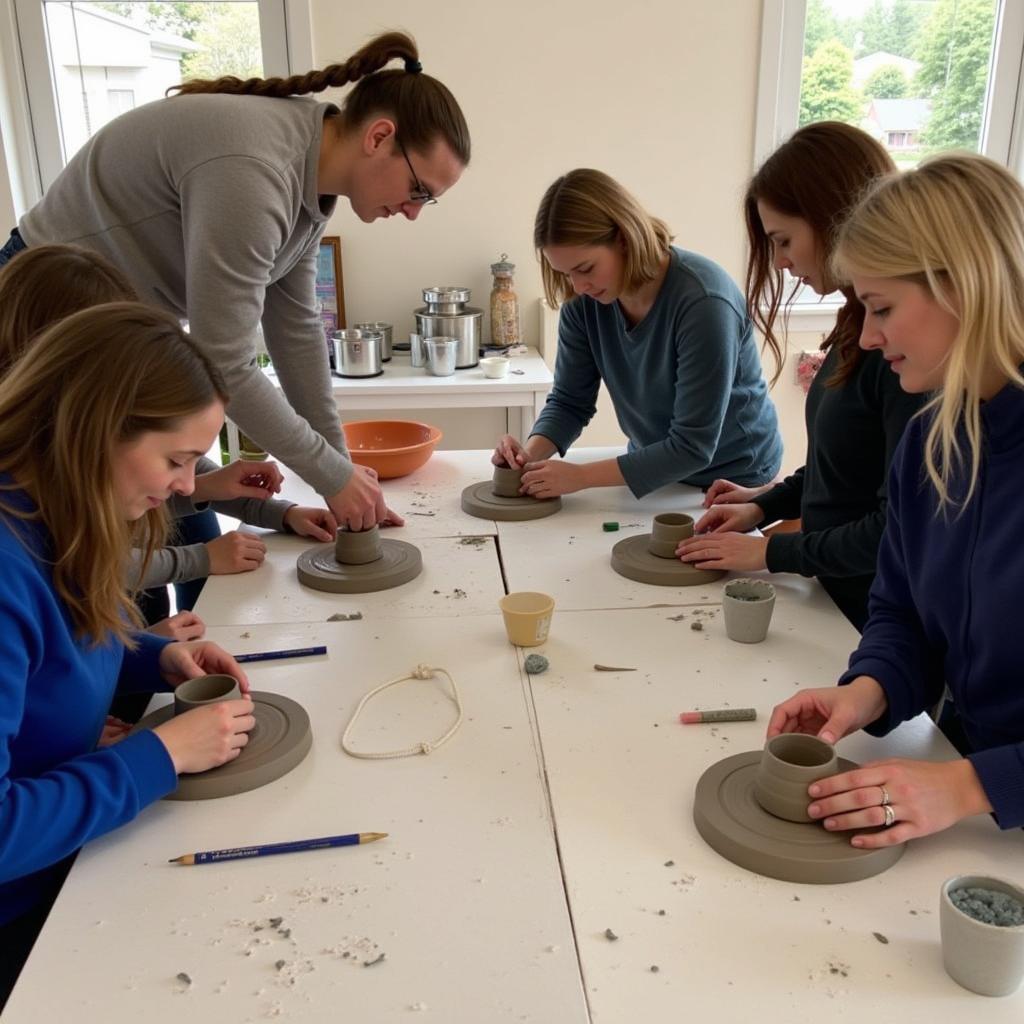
(421, 194)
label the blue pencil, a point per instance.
(244, 852)
(295, 652)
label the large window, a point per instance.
(920, 75)
(83, 63)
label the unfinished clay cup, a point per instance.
(667, 531)
(789, 764)
(358, 547)
(506, 482)
(197, 693)
(747, 607)
(985, 958)
(527, 616)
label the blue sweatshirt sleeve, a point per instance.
(47, 815)
(140, 669)
(894, 649)
(707, 338)
(573, 399)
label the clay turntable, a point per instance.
(651, 557)
(499, 499)
(359, 563)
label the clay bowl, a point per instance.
(392, 447)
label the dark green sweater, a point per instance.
(840, 493)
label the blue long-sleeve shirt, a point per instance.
(686, 382)
(945, 604)
(57, 791)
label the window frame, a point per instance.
(778, 104)
(29, 119)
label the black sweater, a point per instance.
(840, 493)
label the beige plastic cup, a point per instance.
(527, 616)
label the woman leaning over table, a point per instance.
(213, 203)
(937, 257)
(855, 411)
(98, 428)
(666, 330)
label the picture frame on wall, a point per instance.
(330, 290)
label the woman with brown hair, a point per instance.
(855, 412)
(666, 330)
(97, 429)
(213, 202)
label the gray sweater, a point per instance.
(209, 205)
(192, 561)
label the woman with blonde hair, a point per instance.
(937, 257)
(668, 333)
(855, 411)
(97, 429)
(213, 202)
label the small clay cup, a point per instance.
(985, 958)
(747, 607)
(507, 481)
(527, 616)
(196, 693)
(789, 764)
(667, 531)
(358, 547)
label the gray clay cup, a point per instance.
(747, 607)
(985, 958)
(506, 482)
(667, 531)
(358, 547)
(197, 693)
(789, 764)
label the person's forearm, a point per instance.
(605, 473)
(538, 447)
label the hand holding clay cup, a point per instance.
(507, 481)
(509, 452)
(747, 607)
(789, 764)
(181, 661)
(527, 616)
(210, 724)
(830, 712)
(981, 920)
(730, 519)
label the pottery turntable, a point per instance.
(499, 499)
(359, 562)
(651, 557)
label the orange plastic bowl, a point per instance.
(391, 447)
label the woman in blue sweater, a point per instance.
(856, 411)
(99, 425)
(937, 257)
(668, 333)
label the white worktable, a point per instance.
(469, 904)
(402, 386)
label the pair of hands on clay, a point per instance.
(359, 505)
(720, 540)
(925, 796)
(209, 736)
(543, 477)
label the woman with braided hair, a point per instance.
(212, 202)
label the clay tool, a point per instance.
(612, 668)
(295, 652)
(298, 846)
(720, 715)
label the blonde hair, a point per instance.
(101, 377)
(47, 282)
(954, 225)
(587, 207)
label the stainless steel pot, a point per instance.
(384, 330)
(356, 353)
(447, 315)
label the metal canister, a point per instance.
(417, 351)
(356, 353)
(441, 355)
(385, 331)
(447, 315)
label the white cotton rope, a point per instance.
(419, 672)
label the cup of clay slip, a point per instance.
(197, 693)
(985, 958)
(789, 764)
(667, 530)
(506, 482)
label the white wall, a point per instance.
(661, 94)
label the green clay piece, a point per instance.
(535, 664)
(609, 527)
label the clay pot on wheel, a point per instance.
(197, 693)
(506, 482)
(789, 764)
(667, 531)
(358, 547)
